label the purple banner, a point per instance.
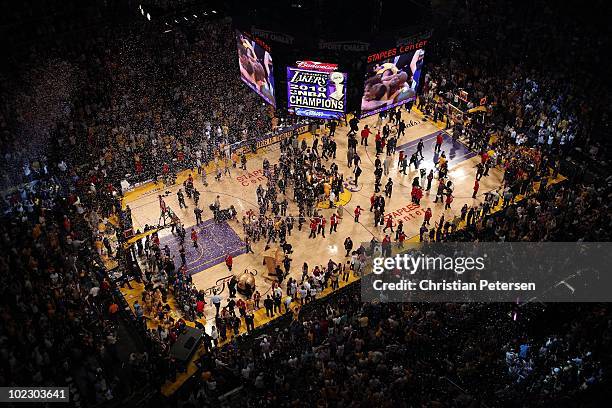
(316, 94)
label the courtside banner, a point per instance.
(318, 92)
(486, 272)
(280, 136)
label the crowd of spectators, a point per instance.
(59, 315)
(347, 353)
(136, 102)
(529, 96)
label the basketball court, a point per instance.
(206, 262)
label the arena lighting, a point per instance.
(142, 11)
(148, 17)
(214, 12)
(194, 16)
(185, 18)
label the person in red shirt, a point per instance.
(401, 239)
(162, 204)
(241, 305)
(401, 158)
(389, 223)
(372, 201)
(449, 200)
(364, 135)
(200, 307)
(428, 215)
(313, 228)
(113, 309)
(413, 194)
(229, 261)
(357, 213)
(418, 194)
(139, 167)
(321, 228)
(194, 238)
(476, 187)
(333, 221)
(105, 286)
(439, 140)
(484, 157)
(378, 141)
(67, 224)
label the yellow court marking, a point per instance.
(138, 237)
(344, 199)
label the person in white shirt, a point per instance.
(214, 334)
(265, 348)
(288, 301)
(313, 293)
(303, 293)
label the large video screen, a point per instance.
(316, 90)
(392, 78)
(256, 68)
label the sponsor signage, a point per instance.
(316, 90)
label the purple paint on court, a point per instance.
(455, 151)
(215, 241)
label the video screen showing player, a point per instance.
(391, 82)
(256, 68)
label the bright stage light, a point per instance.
(148, 17)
